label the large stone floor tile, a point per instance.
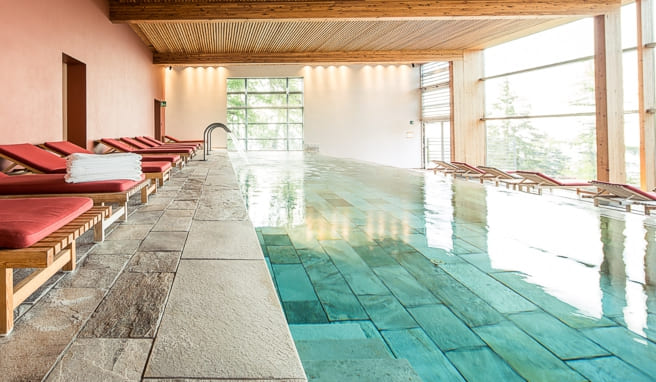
(361, 348)
(133, 307)
(387, 313)
(405, 287)
(174, 220)
(563, 341)
(130, 232)
(627, 346)
(375, 256)
(304, 312)
(530, 359)
(348, 331)
(426, 359)
(499, 296)
(42, 334)
(116, 247)
(293, 283)
(222, 240)
(100, 359)
(335, 295)
(212, 331)
(164, 242)
(357, 273)
(361, 370)
(608, 369)
(154, 262)
(536, 294)
(482, 365)
(444, 328)
(282, 254)
(95, 271)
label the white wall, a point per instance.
(358, 111)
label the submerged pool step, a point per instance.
(360, 370)
(327, 332)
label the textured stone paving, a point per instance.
(180, 291)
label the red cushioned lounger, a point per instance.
(160, 170)
(625, 195)
(120, 146)
(39, 233)
(49, 185)
(177, 150)
(176, 140)
(540, 181)
(152, 142)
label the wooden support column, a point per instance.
(609, 96)
(646, 94)
(6, 300)
(468, 109)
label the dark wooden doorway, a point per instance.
(74, 100)
(160, 130)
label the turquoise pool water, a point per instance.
(388, 274)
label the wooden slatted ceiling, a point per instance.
(206, 32)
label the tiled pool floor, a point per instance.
(388, 274)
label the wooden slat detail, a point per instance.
(41, 254)
(315, 36)
(31, 283)
(152, 11)
(308, 58)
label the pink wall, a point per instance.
(121, 80)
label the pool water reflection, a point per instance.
(452, 279)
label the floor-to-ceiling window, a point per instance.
(265, 113)
(436, 111)
(540, 102)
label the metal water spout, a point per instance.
(207, 136)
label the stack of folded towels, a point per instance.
(92, 167)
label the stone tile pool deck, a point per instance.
(179, 292)
(394, 275)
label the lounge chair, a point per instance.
(176, 140)
(624, 195)
(445, 168)
(470, 172)
(159, 170)
(102, 192)
(177, 150)
(39, 233)
(540, 181)
(502, 176)
(117, 145)
(152, 142)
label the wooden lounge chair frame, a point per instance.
(168, 138)
(541, 181)
(622, 195)
(445, 168)
(500, 176)
(101, 199)
(113, 149)
(159, 177)
(49, 255)
(470, 172)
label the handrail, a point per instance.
(207, 136)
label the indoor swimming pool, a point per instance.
(389, 274)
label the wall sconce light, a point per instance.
(170, 68)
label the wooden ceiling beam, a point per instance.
(379, 57)
(143, 11)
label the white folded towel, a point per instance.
(92, 167)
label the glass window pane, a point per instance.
(236, 84)
(258, 100)
(236, 100)
(629, 26)
(296, 115)
(296, 85)
(266, 85)
(574, 40)
(532, 93)
(267, 131)
(267, 144)
(295, 130)
(267, 115)
(630, 74)
(632, 142)
(296, 100)
(236, 116)
(296, 144)
(560, 147)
